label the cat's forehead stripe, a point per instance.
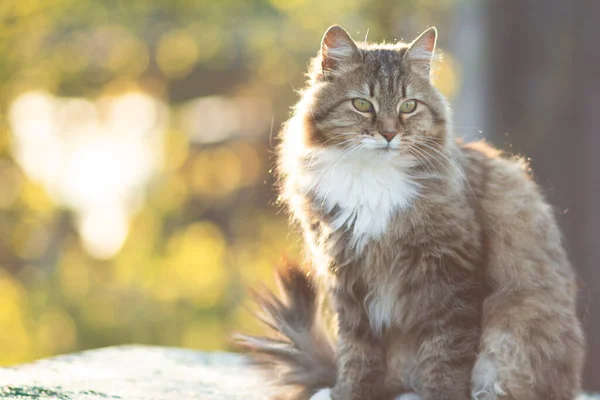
(386, 73)
(371, 88)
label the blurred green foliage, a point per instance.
(206, 224)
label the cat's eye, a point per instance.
(408, 106)
(362, 105)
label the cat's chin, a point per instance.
(387, 152)
(391, 149)
(387, 149)
(376, 153)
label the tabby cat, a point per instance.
(441, 262)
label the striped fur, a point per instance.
(443, 261)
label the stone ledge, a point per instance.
(138, 373)
(134, 373)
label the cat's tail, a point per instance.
(299, 354)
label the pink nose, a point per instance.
(389, 135)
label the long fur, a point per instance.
(299, 354)
(443, 262)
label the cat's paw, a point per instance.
(323, 394)
(408, 396)
(485, 384)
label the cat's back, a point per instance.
(499, 181)
(513, 211)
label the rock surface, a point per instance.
(134, 373)
(138, 373)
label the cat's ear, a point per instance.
(420, 52)
(337, 49)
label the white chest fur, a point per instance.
(367, 187)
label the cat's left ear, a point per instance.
(420, 52)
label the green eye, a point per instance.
(362, 105)
(408, 106)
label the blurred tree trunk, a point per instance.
(544, 101)
(468, 43)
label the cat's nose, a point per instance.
(389, 135)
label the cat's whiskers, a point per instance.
(413, 151)
(435, 146)
(348, 154)
(316, 150)
(344, 155)
(429, 143)
(314, 186)
(478, 128)
(451, 162)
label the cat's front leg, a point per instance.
(532, 348)
(361, 358)
(532, 344)
(361, 371)
(445, 357)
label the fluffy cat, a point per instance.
(442, 263)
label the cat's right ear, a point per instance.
(337, 49)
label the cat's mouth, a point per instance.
(380, 146)
(386, 148)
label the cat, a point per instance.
(440, 261)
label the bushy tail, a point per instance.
(300, 353)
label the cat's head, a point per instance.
(376, 98)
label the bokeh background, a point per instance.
(136, 146)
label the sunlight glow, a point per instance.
(215, 119)
(94, 157)
(104, 231)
